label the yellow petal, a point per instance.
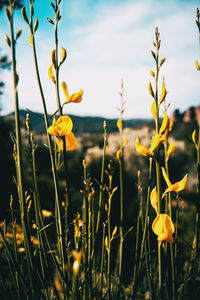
(177, 187)
(197, 65)
(141, 149)
(166, 237)
(70, 142)
(153, 109)
(163, 227)
(50, 73)
(155, 142)
(63, 55)
(53, 57)
(30, 40)
(150, 89)
(164, 136)
(166, 177)
(194, 138)
(163, 94)
(154, 198)
(171, 149)
(61, 127)
(118, 155)
(119, 123)
(125, 142)
(76, 97)
(164, 124)
(171, 124)
(65, 90)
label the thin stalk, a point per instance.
(176, 235)
(158, 180)
(55, 179)
(102, 261)
(85, 222)
(102, 179)
(135, 272)
(19, 160)
(15, 250)
(69, 217)
(170, 214)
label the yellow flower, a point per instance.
(76, 97)
(70, 142)
(141, 149)
(164, 228)
(154, 198)
(61, 127)
(176, 187)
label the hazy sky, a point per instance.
(106, 41)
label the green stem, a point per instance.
(102, 179)
(19, 161)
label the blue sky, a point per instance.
(108, 41)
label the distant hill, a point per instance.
(80, 124)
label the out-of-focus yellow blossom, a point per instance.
(77, 260)
(125, 142)
(154, 199)
(163, 227)
(70, 142)
(120, 123)
(176, 187)
(46, 213)
(61, 127)
(75, 98)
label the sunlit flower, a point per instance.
(164, 228)
(141, 149)
(77, 260)
(154, 199)
(70, 142)
(61, 127)
(176, 187)
(76, 97)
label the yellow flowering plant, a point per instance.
(163, 227)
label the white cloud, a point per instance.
(114, 43)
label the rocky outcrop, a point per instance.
(191, 114)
